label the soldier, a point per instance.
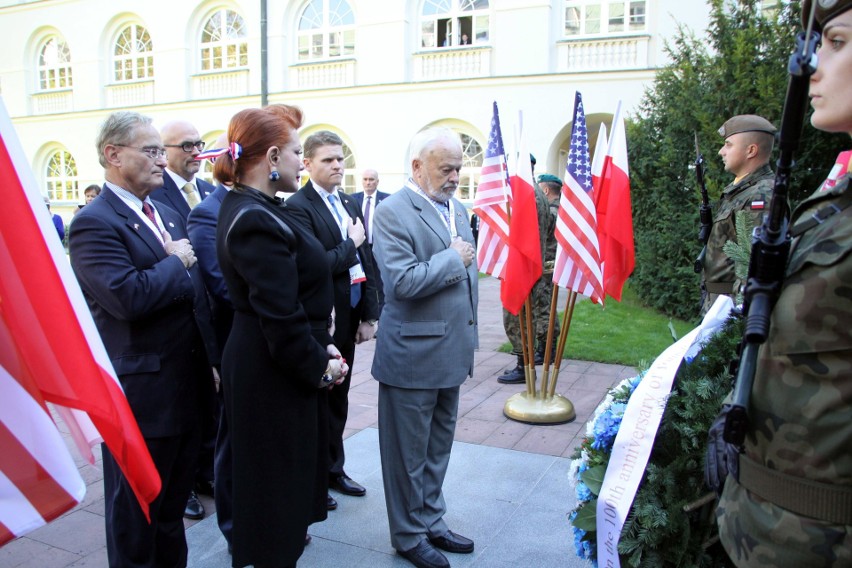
(540, 298)
(551, 186)
(792, 503)
(745, 152)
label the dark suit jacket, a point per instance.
(151, 312)
(308, 208)
(172, 195)
(201, 226)
(379, 195)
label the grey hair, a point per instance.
(427, 137)
(117, 129)
(319, 139)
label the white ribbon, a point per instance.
(635, 437)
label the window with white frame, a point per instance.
(471, 166)
(61, 177)
(326, 30)
(223, 42)
(599, 17)
(54, 65)
(454, 23)
(133, 55)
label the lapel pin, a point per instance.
(136, 226)
(172, 225)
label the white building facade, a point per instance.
(374, 71)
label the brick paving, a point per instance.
(77, 539)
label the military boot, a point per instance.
(514, 376)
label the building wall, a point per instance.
(377, 99)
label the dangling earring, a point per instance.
(273, 175)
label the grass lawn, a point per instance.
(624, 332)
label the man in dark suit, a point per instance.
(368, 200)
(201, 226)
(183, 191)
(335, 219)
(137, 271)
(425, 352)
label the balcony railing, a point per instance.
(51, 102)
(603, 54)
(232, 83)
(130, 94)
(323, 75)
(458, 63)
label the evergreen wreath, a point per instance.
(658, 530)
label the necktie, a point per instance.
(149, 211)
(191, 195)
(355, 291)
(367, 220)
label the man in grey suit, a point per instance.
(425, 250)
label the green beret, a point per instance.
(825, 11)
(548, 178)
(746, 123)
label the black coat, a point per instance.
(273, 361)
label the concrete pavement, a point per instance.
(507, 485)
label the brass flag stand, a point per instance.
(543, 406)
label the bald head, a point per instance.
(175, 134)
(370, 181)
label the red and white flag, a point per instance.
(50, 351)
(523, 267)
(615, 216)
(490, 205)
(578, 265)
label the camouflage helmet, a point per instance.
(825, 11)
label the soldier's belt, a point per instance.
(719, 287)
(806, 497)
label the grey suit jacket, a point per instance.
(428, 327)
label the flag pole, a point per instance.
(568, 314)
(548, 351)
(529, 346)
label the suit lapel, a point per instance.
(134, 223)
(319, 206)
(430, 216)
(173, 196)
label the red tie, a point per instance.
(149, 211)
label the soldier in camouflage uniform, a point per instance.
(552, 188)
(792, 503)
(511, 323)
(746, 152)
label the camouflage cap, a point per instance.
(549, 178)
(746, 123)
(825, 11)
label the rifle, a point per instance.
(704, 211)
(771, 241)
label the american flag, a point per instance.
(490, 204)
(578, 265)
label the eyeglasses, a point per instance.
(154, 152)
(188, 146)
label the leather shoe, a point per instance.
(332, 504)
(194, 509)
(424, 555)
(452, 542)
(346, 485)
(514, 376)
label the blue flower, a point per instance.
(583, 492)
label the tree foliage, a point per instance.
(739, 67)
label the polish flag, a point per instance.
(614, 213)
(523, 267)
(598, 162)
(50, 351)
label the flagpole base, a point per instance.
(535, 409)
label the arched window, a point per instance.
(453, 23)
(223, 42)
(133, 55)
(61, 177)
(326, 30)
(599, 17)
(471, 166)
(54, 65)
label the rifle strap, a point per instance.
(820, 215)
(806, 497)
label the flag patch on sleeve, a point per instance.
(756, 205)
